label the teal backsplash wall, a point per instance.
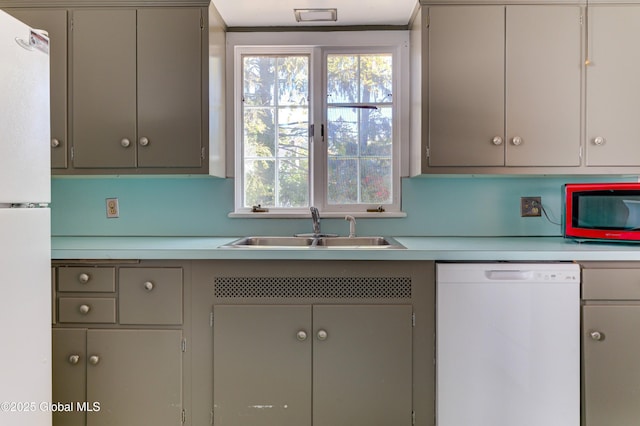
(199, 205)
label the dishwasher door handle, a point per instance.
(509, 275)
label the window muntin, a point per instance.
(374, 176)
(359, 128)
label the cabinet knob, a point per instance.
(74, 359)
(596, 335)
(322, 335)
(125, 143)
(144, 141)
(84, 278)
(55, 143)
(497, 140)
(301, 335)
(599, 140)
(148, 286)
(94, 359)
(84, 309)
(517, 140)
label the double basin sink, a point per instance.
(319, 242)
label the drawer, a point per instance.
(150, 296)
(86, 278)
(611, 284)
(87, 310)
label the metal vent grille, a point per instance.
(313, 287)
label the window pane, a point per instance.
(375, 181)
(377, 131)
(276, 131)
(259, 132)
(342, 131)
(375, 78)
(293, 80)
(293, 182)
(343, 181)
(259, 182)
(259, 80)
(342, 72)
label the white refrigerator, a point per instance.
(25, 226)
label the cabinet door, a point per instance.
(613, 86)
(262, 365)
(103, 49)
(69, 374)
(362, 365)
(611, 360)
(54, 21)
(169, 87)
(136, 377)
(543, 85)
(466, 85)
(150, 296)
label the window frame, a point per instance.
(318, 46)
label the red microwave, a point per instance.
(602, 211)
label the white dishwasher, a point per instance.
(508, 344)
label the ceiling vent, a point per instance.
(316, 15)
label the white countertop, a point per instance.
(417, 248)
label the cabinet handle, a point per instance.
(144, 141)
(94, 359)
(74, 359)
(148, 286)
(84, 278)
(596, 335)
(517, 140)
(301, 335)
(599, 140)
(84, 309)
(55, 143)
(125, 143)
(497, 140)
(322, 335)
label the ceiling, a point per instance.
(278, 13)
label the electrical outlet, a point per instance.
(530, 206)
(113, 210)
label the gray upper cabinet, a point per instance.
(466, 86)
(54, 22)
(503, 87)
(613, 86)
(137, 89)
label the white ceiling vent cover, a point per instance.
(316, 15)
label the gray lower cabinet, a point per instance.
(137, 88)
(54, 22)
(503, 86)
(125, 377)
(118, 344)
(611, 344)
(322, 365)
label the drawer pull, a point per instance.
(301, 335)
(84, 309)
(94, 359)
(84, 278)
(322, 335)
(148, 286)
(74, 359)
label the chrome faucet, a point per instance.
(352, 225)
(315, 217)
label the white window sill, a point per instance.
(323, 215)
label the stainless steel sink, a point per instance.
(322, 242)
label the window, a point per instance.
(317, 126)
